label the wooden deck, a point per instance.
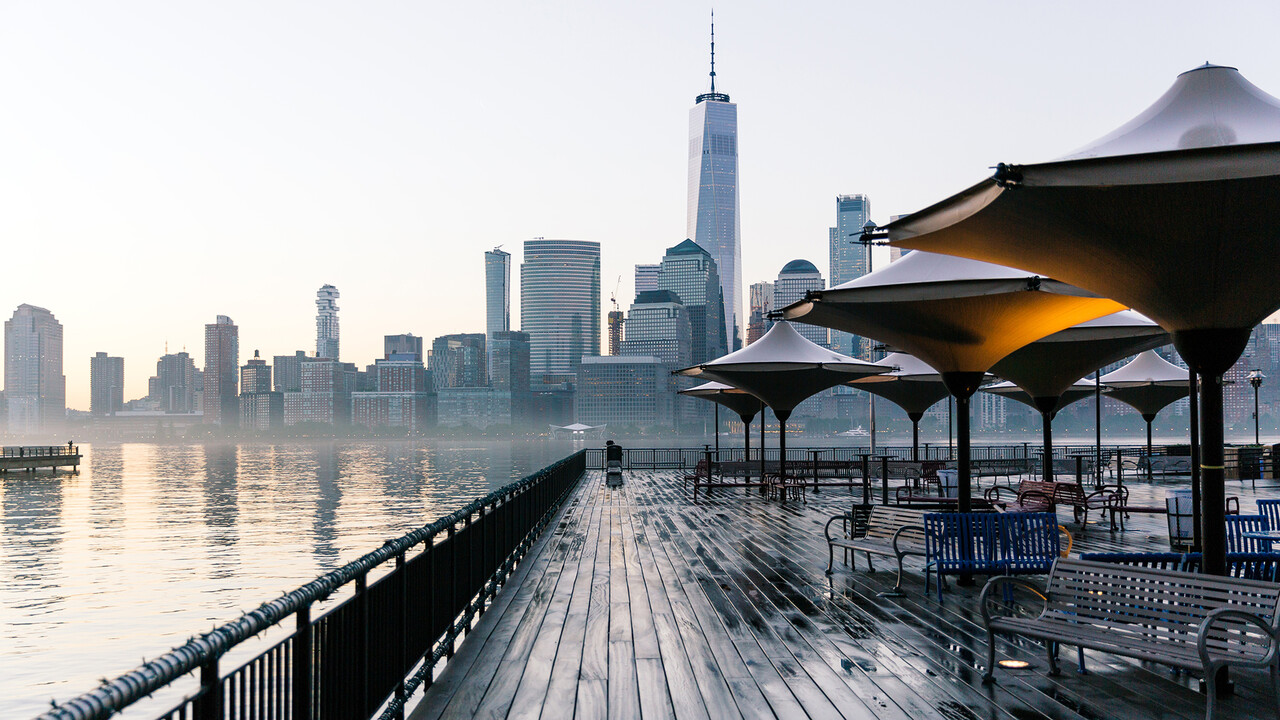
(643, 604)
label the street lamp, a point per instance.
(1255, 379)
(868, 239)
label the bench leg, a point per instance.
(1275, 683)
(1080, 660)
(1210, 691)
(896, 592)
(1051, 649)
(831, 557)
(990, 675)
(870, 568)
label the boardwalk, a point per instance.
(642, 604)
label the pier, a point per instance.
(33, 457)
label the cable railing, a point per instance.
(38, 451)
(366, 656)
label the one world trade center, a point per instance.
(713, 217)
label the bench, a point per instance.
(1249, 565)
(1119, 506)
(989, 544)
(1180, 619)
(1046, 496)
(1000, 468)
(890, 531)
(1031, 496)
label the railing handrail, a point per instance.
(151, 676)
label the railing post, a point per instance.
(404, 664)
(209, 706)
(453, 549)
(302, 665)
(429, 568)
(362, 642)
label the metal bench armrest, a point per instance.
(984, 600)
(846, 517)
(1214, 616)
(918, 533)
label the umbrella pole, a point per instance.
(746, 438)
(962, 456)
(1149, 418)
(782, 451)
(716, 430)
(1212, 492)
(915, 435)
(1046, 434)
(762, 465)
(1194, 411)
(1097, 425)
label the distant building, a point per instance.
(401, 397)
(761, 305)
(689, 271)
(647, 278)
(478, 407)
(849, 258)
(288, 371)
(713, 205)
(497, 293)
(174, 387)
(106, 384)
(325, 397)
(327, 322)
(624, 391)
(658, 325)
(34, 387)
(221, 364)
(458, 360)
(797, 278)
(560, 303)
(406, 344)
(261, 408)
(510, 357)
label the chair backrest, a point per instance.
(885, 520)
(1155, 561)
(1237, 525)
(1270, 509)
(1029, 542)
(962, 541)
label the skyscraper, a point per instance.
(560, 303)
(848, 257)
(713, 208)
(288, 371)
(497, 293)
(175, 383)
(406, 344)
(688, 271)
(509, 355)
(221, 363)
(458, 360)
(761, 305)
(327, 322)
(106, 384)
(34, 387)
(260, 408)
(647, 277)
(797, 278)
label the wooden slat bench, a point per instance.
(1047, 495)
(892, 531)
(1184, 620)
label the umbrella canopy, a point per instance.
(783, 369)
(1047, 367)
(1148, 383)
(1172, 214)
(741, 402)
(1079, 390)
(912, 385)
(956, 315)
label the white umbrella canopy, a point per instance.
(1078, 390)
(1173, 214)
(913, 386)
(1148, 384)
(740, 401)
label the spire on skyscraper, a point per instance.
(713, 50)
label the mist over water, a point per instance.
(151, 543)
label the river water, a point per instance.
(152, 543)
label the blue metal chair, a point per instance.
(1270, 509)
(1237, 525)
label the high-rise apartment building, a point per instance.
(713, 207)
(689, 271)
(106, 384)
(406, 344)
(261, 408)
(325, 394)
(761, 305)
(400, 398)
(849, 258)
(797, 278)
(616, 319)
(327, 322)
(35, 389)
(288, 371)
(510, 357)
(560, 303)
(255, 376)
(458, 361)
(647, 278)
(174, 387)
(221, 364)
(497, 293)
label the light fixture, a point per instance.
(1014, 664)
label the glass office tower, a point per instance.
(713, 213)
(849, 259)
(560, 304)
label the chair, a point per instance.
(1270, 509)
(1237, 525)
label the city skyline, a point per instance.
(141, 147)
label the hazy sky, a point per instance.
(165, 162)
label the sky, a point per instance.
(163, 163)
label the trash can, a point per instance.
(949, 483)
(1182, 519)
(1249, 458)
(612, 464)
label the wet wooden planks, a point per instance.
(641, 603)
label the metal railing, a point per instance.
(367, 655)
(38, 451)
(688, 457)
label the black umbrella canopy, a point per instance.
(1173, 214)
(1047, 367)
(1076, 391)
(739, 401)
(1148, 383)
(958, 316)
(913, 385)
(783, 369)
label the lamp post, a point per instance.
(866, 238)
(1255, 378)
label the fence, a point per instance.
(373, 650)
(688, 457)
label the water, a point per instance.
(151, 543)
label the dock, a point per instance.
(33, 457)
(638, 602)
